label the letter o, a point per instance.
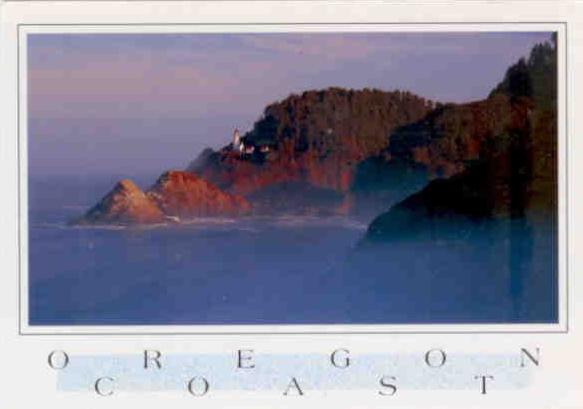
(204, 383)
(55, 363)
(442, 359)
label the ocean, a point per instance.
(272, 270)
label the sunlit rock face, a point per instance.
(184, 194)
(124, 204)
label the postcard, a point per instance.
(259, 204)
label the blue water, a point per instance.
(280, 270)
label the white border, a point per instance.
(560, 327)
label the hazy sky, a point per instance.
(131, 104)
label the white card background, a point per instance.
(395, 351)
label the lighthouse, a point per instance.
(237, 146)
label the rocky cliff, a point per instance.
(317, 138)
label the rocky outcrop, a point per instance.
(184, 194)
(175, 195)
(124, 204)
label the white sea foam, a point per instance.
(97, 227)
(250, 224)
(208, 221)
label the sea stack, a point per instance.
(124, 204)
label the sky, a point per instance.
(139, 104)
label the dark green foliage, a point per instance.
(338, 119)
(535, 77)
(518, 81)
(450, 136)
(265, 131)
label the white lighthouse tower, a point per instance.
(237, 145)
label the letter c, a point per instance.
(100, 391)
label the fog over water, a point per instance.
(301, 270)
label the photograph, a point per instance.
(291, 178)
